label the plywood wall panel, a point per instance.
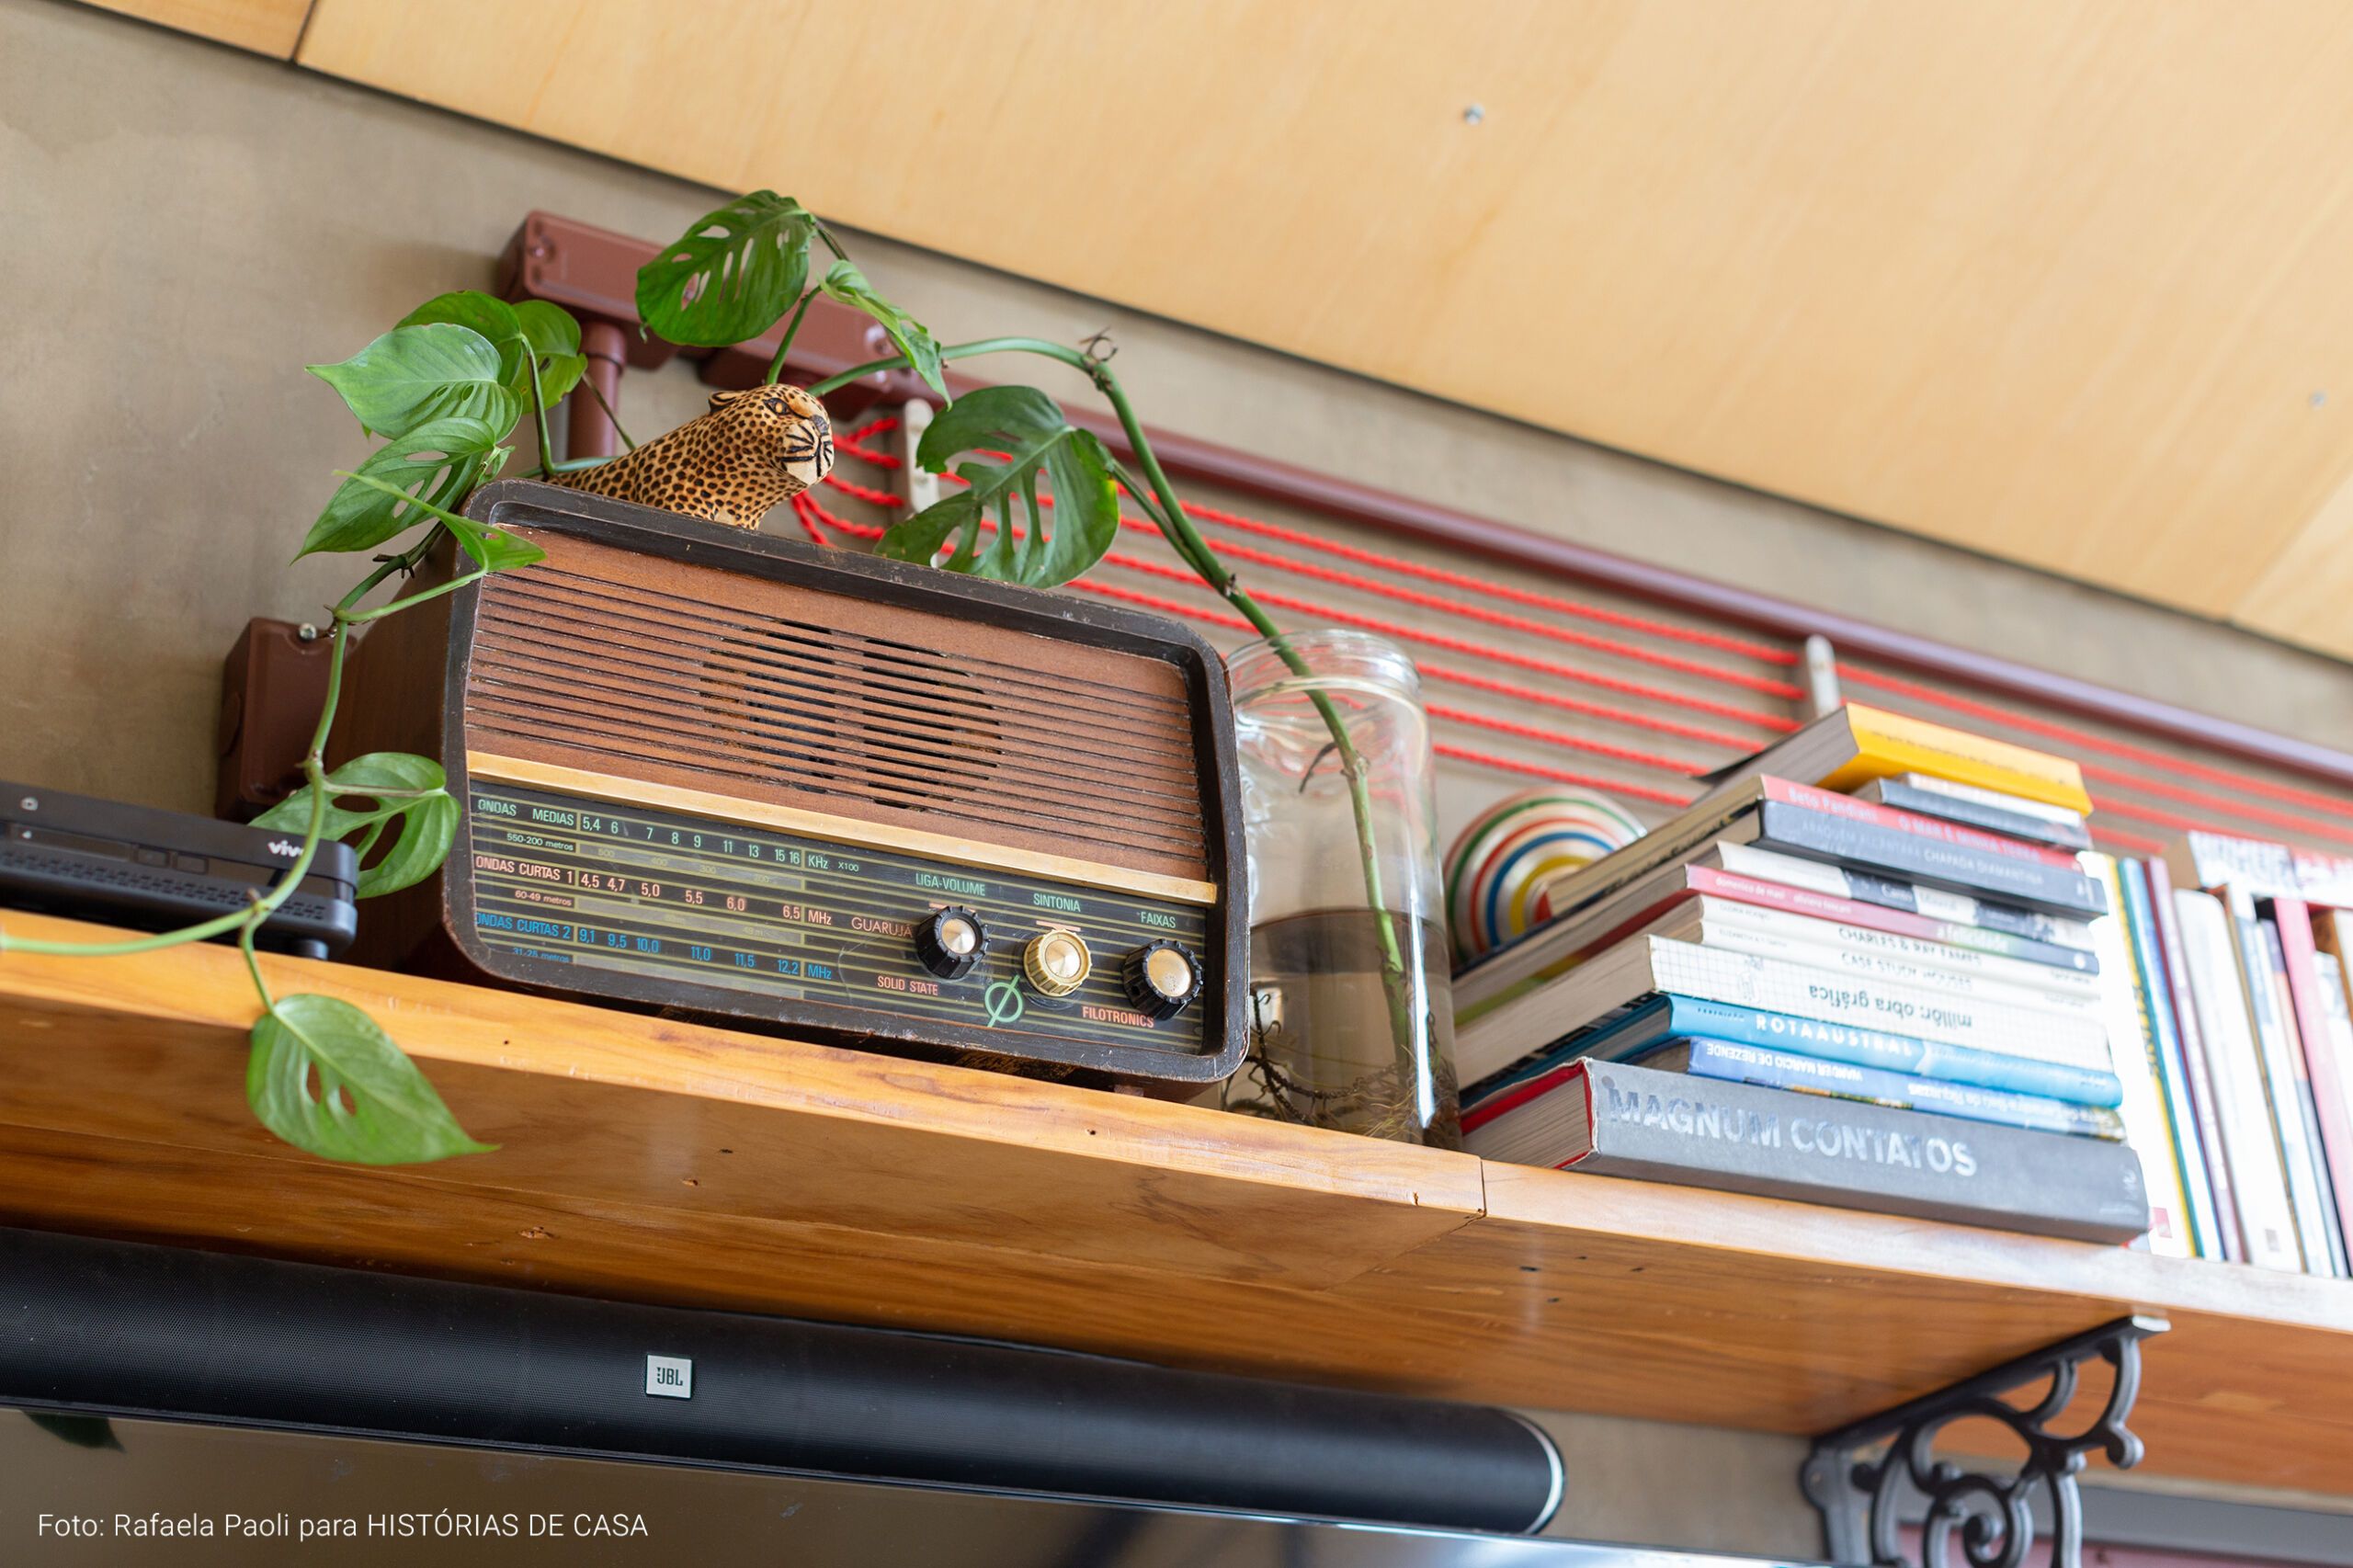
(2056, 283)
(266, 27)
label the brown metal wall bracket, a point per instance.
(593, 273)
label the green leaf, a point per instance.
(530, 333)
(1023, 423)
(371, 1106)
(365, 796)
(414, 375)
(848, 284)
(553, 339)
(494, 319)
(437, 462)
(495, 548)
(732, 275)
(548, 329)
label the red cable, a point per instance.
(1555, 738)
(802, 508)
(1516, 595)
(860, 493)
(880, 425)
(1445, 673)
(1770, 688)
(1739, 745)
(2124, 840)
(2096, 743)
(849, 444)
(1560, 775)
(2215, 802)
(1458, 645)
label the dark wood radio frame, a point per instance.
(395, 702)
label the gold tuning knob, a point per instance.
(1057, 962)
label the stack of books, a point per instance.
(1876, 966)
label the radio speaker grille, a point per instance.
(607, 660)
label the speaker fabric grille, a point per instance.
(618, 663)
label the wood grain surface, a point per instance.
(648, 1160)
(2061, 284)
(266, 27)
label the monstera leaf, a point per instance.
(435, 463)
(426, 811)
(370, 1105)
(848, 284)
(414, 375)
(1025, 423)
(732, 275)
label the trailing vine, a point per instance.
(444, 391)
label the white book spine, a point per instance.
(2250, 1145)
(2147, 1125)
(1909, 960)
(2275, 1039)
(1744, 979)
(2340, 1034)
(1933, 904)
(2041, 809)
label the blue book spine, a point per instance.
(1682, 1016)
(2155, 997)
(1902, 1091)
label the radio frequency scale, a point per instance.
(728, 775)
(571, 879)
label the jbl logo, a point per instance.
(669, 1377)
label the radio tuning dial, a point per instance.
(952, 942)
(1162, 979)
(1057, 962)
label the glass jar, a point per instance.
(1352, 1016)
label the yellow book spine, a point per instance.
(1887, 744)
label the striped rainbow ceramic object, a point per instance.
(1502, 864)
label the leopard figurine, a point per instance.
(753, 449)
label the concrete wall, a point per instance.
(182, 228)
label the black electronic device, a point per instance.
(90, 859)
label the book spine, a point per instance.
(1806, 900)
(2195, 1055)
(1890, 742)
(1890, 1052)
(1869, 949)
(2146, 1126)
(1831, 803)
(1897, 1091)
(1739, 1137)
(2166, 1059)
(1953, 909)
(1686, 969)
(2018, 804)
(2292, 1047)
(2250, 1142)
(2278, 1082)
(1975, 813)
(2325, 1069)
(1821, 836)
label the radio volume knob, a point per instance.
(1058, 962)
(1162, 979)
(952, 942)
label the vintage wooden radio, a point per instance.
(709, 770)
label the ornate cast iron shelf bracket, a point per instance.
(1859, 1496)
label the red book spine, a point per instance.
(1831, 803)
(2322, 1065)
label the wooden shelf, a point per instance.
(653, 1161)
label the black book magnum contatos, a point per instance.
(1611, 1119)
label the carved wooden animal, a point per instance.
(753, 449)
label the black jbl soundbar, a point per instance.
(124, 1329)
